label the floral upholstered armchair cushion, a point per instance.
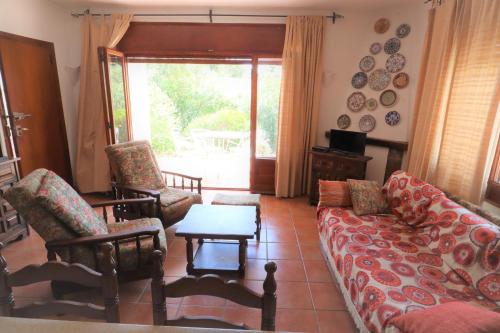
(409, 197)
(366, 197)
(59, 198)
(136, 166)
(467, 243)
(22, 196)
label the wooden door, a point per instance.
(34, 119)
(115, 95)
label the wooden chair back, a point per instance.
(62, 271)
(211, 285)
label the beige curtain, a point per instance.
(456, 111)
(300, 95)
(92, 168)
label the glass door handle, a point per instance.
(19, 130)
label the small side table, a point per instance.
(241, 200)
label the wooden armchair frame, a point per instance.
(212, 285)
(132, 208)
(171, 179)
(62, 271)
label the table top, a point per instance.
(221, 222)
(25, 325)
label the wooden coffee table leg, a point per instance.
(189, 254)
(242, 256)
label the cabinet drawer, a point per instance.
(7, 172)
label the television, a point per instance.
(347, 142)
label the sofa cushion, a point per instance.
(128, 249)
(174, 210)
(136, 166)
(456, 317)
(59, 198)
(366, 197)
(409, 197)
(468, 243)
(334, 194)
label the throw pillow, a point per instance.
(456, 317)
(138, 168)
(60, 199)
(334, 194)
(366, 197)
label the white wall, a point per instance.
(42, 19)
(346, 43)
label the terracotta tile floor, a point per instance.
(308, 298)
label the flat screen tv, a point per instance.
(347, 141)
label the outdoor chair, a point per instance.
(62, 271)
(137, 174)
(212, 285)
(72, 229)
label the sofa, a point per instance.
(428, 250)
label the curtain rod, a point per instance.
(210, 15)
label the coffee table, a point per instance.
(223, 224)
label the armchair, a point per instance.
(137, 174)
(73, 231)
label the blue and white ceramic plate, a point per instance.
(367, 123)
(392, 46)
(392, 118)
(367, 63)
(359, 80)
(395, 62)
(403, 30)
(375, 48)
(343, 121)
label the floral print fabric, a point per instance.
(366, 197)
(63, 202)
(387, 268)
(135, 165)
(409, 197)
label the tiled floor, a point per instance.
(308, 298)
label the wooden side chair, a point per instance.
(138, 174)
(72, 229)
(212, 285)
(62, 271)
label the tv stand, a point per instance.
(334, 166)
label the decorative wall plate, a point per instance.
(382, 25)
(343, 121)
(375, 48)
(371, 104)
(367, 63)
(403, 30)
(367, 123)
(356, 101)
(401, 80)
(392, 118)
(395, 63)
(359, 80)
(388, 98)
(379, 79)
(392, 45)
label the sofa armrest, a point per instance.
(182, 185)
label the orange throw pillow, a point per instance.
(334, 194)
(456, 317)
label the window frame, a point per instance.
(492, 194)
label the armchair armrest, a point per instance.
(98, 239)
(123, 202)
(190, 179)
(136, 189)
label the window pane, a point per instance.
(268, 102)
(117, 87)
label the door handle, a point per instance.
(20, 130)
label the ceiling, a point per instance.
(236, 4)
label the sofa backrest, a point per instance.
(409, 197)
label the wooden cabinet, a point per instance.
(12, 227)
(334, 166)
